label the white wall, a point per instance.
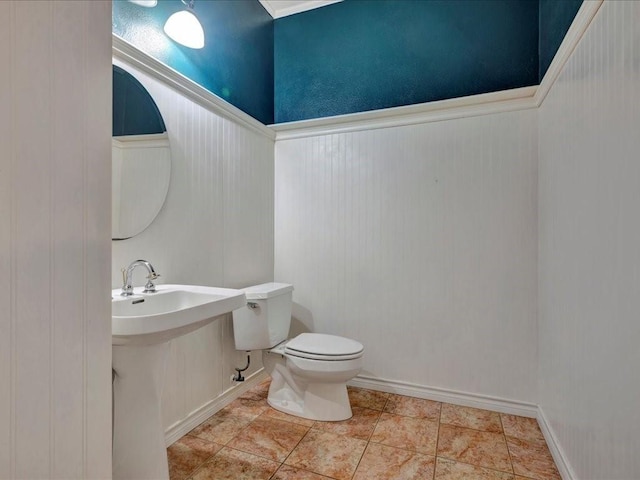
(589, 190)
(55, 326)
(215, 228)
(419, 241)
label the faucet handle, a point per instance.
(150, 287)
(126, 288)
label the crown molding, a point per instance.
(152, 140)
(578, 27)
(123, 50)
(295, 7)
(268, 7)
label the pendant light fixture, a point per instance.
(184, 27)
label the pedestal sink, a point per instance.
(142, 326)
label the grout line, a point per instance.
(470, 428)
(197, 469)
(386, 401)
(404, 449)
(297, 444)
(372, 432)
(366, 447)
(200, 465)
(435, 459)
(481, 466)
(504, 435)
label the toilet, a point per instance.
(309, 373)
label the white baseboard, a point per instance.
(195, 418)
(464, 399)
(566, 472)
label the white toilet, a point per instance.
(309, 372)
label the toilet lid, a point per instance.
(320, 346)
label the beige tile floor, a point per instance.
(389, 437)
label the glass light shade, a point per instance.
(145, 3)
(184, 28)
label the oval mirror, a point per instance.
(141, 157)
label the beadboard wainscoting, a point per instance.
(589, 251)
(419, 241)
(55, 188)
(215, 228)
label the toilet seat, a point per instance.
(319, 346)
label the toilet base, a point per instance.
(327, 402)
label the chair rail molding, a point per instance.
(471, 106)
(123, 50)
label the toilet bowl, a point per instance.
(312, 383)
(308, 372)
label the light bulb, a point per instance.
(184, 28)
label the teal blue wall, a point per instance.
(236, 63)
(555, 19)
(362, 55)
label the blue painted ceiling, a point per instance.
(362, 55)
(236, 63)
(356, 55)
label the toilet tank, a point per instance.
(265, 321)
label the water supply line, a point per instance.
(239, 377)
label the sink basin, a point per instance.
(141, 327)
(174, 310)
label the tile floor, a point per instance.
(389, 437)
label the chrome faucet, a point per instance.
(127, 288)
